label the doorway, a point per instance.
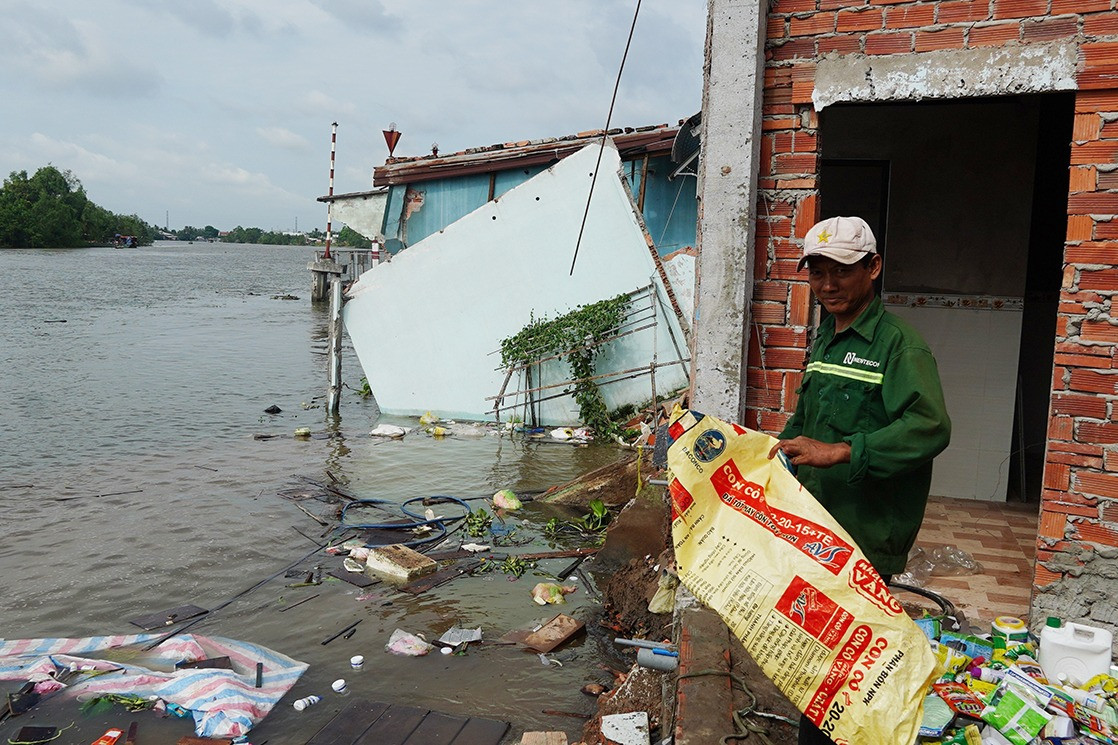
(969, 197)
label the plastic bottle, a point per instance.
(305, 702)
(1080, 652)
(356, 661)
(1010, 628)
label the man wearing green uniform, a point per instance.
(870, 416)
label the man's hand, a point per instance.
(804, 451)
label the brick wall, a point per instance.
(1079, 512)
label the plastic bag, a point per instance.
(550, 592)
(406, 645)
(752, 544)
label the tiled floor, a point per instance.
(1001, 537)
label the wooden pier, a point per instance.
(346, 264)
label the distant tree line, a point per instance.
(345, 237)
(51, 210)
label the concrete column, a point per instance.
(733, 83)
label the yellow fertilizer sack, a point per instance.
(753, 545)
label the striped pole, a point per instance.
(330, 191)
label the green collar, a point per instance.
(865, 325)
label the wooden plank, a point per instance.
(436, 729)
(394, 726)
(354, 578)
(481, 732)
(544, 738)
(553, 633)
(438, 578)
(350, 723)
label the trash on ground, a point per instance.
(553, 633)
(940, 561)
(544, 738)
(111, 737)
(222, 702)
(428, 419)
(273, 409)
(506, 499)
(626, 729)
(455, 636)
(306, 701)
(339, 686)
(550, 592)
(548, 662)
(302, 432)
(474, 548)
(657, 659)
(390, 431)
(407, 645)
(353, 578)
(398, 564)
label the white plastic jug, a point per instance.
(1080, 652)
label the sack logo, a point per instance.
(709, 445)
(868, 583)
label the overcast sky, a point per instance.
(218, 112)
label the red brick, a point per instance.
(1062, 330)
(792, 6)
(889, 2)
(1104, 24)
(786, 249)
(1109, 512)
(780, 122)
(1061, 7)
(1083, 360)
(1043, 577)
(840, 43)
(1099, 54)
(959, 11)
(1103, 252)
(1052, 524)
(1095, 100)
(787, 181)
(783, 336)
(1079, 461)
(1097, 152)
(799, 305)
(759, 378)
(1057, 476)
(785, 270)
(946, 38)
(1020, 8)
(772, 422)
(1093, 382)
(1082, 179)
(797, 163)
(1079, 510)
(837, 4)
(1060, 428)
(864, 19)
(1098, 330)
(762, 398)
(1102, 279)
(1086, 349)
(1109, 132)
(779, 358)
(1092, 532)
(1089, 406)
(812, 25)
(802, 48)
(1049, 29)
(889, 43)
(1080, 228)
(807, 214)
(776, 27)
(767, 313)
(1098, 78)
(1106, 229)
(1104, 203)
(910, 16)
(770, 291)
(791, 384)
(1101, 484)
(993, 34)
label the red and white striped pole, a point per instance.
(330, 191)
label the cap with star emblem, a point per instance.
(847, 240)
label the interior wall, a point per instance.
(959, 199)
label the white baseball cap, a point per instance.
(847, 240)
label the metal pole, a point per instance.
(333, 393)
(330, 191)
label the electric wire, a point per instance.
(605, 133)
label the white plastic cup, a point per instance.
(356, 661)
(339, 685)
(305, 702)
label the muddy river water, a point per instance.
(133, 383)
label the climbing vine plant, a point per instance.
(574, 336)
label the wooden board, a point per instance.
(350, 723)
(440, 577)
(366, 722)
(168, 617)
(553, 633)
(354, 578)
(544, 738)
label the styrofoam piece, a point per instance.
(626, 729)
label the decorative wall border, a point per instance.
(965, 302)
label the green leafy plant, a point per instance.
(598, 517)
(477, 523)
(575, 336)
(364, 391)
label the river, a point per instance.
(132, 481)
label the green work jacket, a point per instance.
(874, 385)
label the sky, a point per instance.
(218, 112)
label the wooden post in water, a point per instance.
(334, 392)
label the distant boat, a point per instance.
(427, 324)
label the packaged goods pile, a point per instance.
(1008, 686)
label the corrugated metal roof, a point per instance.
(630, 142)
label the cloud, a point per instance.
(282, 138)
(369, 15)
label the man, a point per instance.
(870, 416)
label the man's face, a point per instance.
(845, 290)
